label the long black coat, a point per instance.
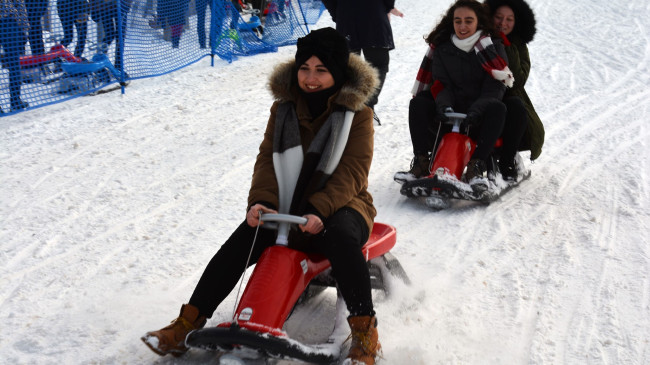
(363, 22)
(466, 85)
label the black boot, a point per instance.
(475, 175)
(508, 169)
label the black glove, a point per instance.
(472, 119)
(441, 113)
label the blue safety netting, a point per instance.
(55, 50)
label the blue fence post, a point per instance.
(120, 43)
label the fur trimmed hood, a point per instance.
(525, 24)
(361, 84)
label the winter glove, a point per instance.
(472, 119)
(440, 115)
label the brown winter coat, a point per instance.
(347, 187)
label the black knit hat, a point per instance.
(330, 47)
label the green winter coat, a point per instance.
(519, 63)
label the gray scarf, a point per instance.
(300, 175)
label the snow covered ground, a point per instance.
(112, 205)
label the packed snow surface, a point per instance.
(112, 205)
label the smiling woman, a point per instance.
(314, 76)
(465, 71)
(465, 22)
(296, 172)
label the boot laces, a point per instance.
(363, 338)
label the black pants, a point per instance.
(13, 44)
(379, 59)
(424, 126)
(515, 127)
(68, 24)
(489, 129)
(340, 241)
(35, 11)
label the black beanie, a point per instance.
(330, 47)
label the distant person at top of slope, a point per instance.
(313, 93)
(515, 22)
(469, 74)
(366, 25)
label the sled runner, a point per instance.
(280, 278)
(444, 181)
(90, 75)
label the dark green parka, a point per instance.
(519, 63)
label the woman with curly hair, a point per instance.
(465, 70)
(515, 23)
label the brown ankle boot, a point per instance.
(171, 339)
(419, 168)
(365, 340)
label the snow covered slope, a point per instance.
(112, 205)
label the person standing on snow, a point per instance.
(366, 26)
(74, 14)
(313, 92)
(14, 26)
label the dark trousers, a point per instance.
(489, 129)
(379, 58)
(109, 20)
(340, 241)
(423, 124)
(13, 44)
(35, 13)
(201, 7)
(515, 127)
(67, 23)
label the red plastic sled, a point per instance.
(444, 180)
(58, 51)
(279, 279)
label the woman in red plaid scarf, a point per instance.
(465, 70)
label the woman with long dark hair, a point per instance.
(465, 70)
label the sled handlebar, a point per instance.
(455, 119)
(452, 116)
(282, 223)
(282, 218)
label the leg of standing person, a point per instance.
(36, 43)
(379, 58)
(82, 32)
(201, 7)
(67, 21)
(12, 42)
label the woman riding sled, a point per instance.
(468, 73)
(313, 94)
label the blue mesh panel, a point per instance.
(60, 49)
